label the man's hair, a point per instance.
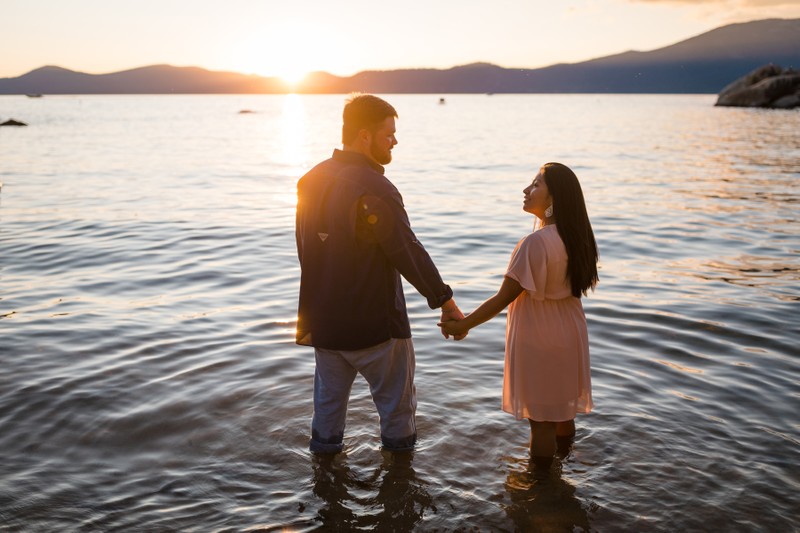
(364, 111)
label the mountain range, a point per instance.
(701, 64)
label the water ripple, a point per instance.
(150, 380)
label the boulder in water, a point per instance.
(12, 122)
(769, 86)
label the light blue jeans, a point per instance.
(389, 370)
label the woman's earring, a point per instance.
(548, 212)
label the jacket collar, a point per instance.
(356, 158)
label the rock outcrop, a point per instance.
(12, 122)
(768, 86)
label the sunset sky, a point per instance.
(288, 38)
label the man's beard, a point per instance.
(382, 157)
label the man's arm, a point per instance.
(387, 220)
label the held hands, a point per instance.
(451, 314)
(454, 323)
(456, 328)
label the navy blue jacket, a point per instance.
(354, 241)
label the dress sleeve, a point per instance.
(528, 266)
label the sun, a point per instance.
(290, 72)
(276, 54)
(290, 65)
(292, 76)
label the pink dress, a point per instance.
(547, 377)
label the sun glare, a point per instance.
(295, 147)
(293, 76)
(277, 54)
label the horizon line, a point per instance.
(477, 62)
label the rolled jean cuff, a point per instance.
(321, 447)
(405, 444)
(319, 444)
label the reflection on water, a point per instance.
(541, 500)
(390, 498)
(769, 275)
(294, 133)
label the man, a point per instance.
(354, 241)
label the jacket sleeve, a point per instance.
(298, 227)
(386, 219)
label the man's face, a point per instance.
(383, 140)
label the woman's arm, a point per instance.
(508, 292)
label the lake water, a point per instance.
(148, 284)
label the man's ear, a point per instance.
(365, 137)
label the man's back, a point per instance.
(350, 294)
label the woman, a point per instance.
(547, 376)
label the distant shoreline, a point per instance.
(704, 64)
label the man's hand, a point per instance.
(456, 328)
(450, 311)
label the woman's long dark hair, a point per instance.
(572, 222)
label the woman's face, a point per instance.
(537, 197)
